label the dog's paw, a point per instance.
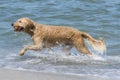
(21, 52)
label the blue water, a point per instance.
(100, 18)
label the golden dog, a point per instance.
(47, 36)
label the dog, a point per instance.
(46, 36)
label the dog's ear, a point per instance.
(30, 24)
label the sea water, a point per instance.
(99, 18)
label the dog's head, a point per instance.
(23, 24)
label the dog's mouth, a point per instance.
(18, 29)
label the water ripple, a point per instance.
(100, 18)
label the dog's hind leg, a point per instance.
(80, 46)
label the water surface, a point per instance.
(100, 18)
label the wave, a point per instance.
(58, 62)
(55, 57)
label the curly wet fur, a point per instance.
(47, 36)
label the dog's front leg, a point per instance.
(32, 47)
(37, 46)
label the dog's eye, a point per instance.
(20, 21)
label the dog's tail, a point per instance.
(98, 45)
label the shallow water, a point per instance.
(100, 18)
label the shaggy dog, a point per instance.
(46, 36)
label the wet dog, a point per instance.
(46, 36)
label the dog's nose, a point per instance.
(12, 24)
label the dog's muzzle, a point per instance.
(17, 28)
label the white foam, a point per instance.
(97, 57)
(92, 66)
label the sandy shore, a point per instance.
(6, 74)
